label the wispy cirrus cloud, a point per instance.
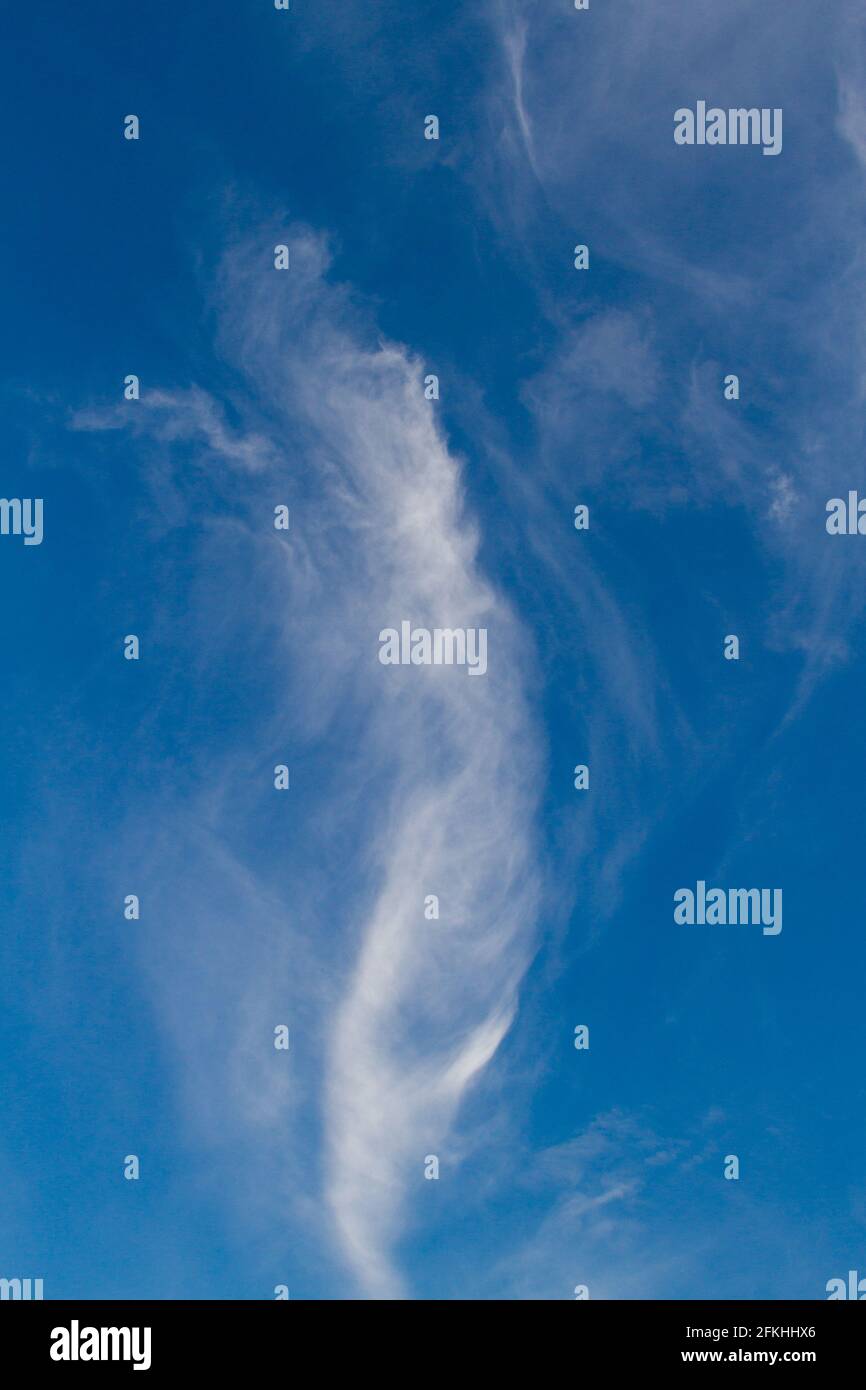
(708, 257)
(438, 793)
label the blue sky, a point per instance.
(410, 1037)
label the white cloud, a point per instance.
(440, 794)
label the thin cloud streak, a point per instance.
(447, 769)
